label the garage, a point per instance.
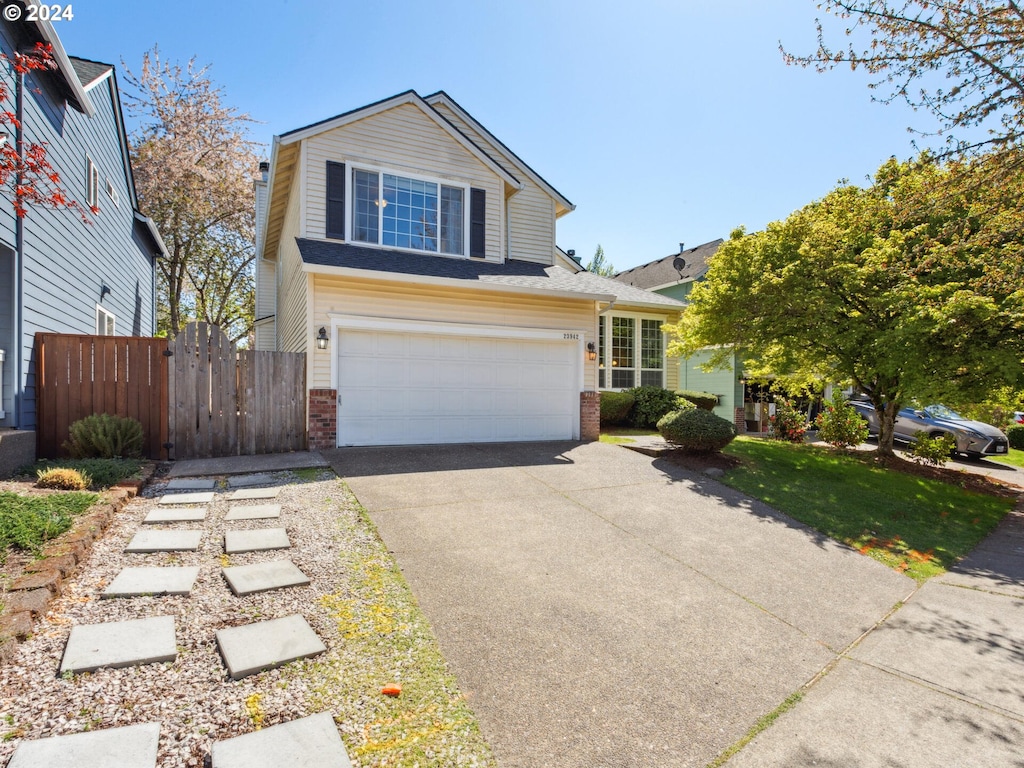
(458, 384)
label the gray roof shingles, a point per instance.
(664, 272)
(513, 273)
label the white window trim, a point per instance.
(112, 193)
(105, 313)
(92, 183)
(350, 202)
(605, 319)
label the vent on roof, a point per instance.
(681, 247)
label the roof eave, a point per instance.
(67, 71)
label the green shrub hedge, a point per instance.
(704, 400)
(696, 430)
(615, 408)
(1015, 433)
(652, 403)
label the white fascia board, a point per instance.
(443, 98)
(451, 282)
(397, 101)
(266, 203)
(60, 56)
(666, 308)
(669, 285)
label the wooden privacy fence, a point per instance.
(77, 376)
(228, 402)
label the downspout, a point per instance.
(19, 254)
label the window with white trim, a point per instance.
(92, 183)
(411, 213)
(631, 352)
(104, 322)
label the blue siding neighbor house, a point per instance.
(57, 273)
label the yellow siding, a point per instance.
(372, 298)
(400, 139)
(291, 316)
(531, 216)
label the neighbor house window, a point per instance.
(631, 352)
(403, 212)
(104, 322)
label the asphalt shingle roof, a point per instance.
(515, 274)
(89, 71)
(664, 271)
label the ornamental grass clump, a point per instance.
(63, 479)
(104, 436)
(840, 425)
(696, 430)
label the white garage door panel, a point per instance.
(401, 388)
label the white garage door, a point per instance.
(416, 388)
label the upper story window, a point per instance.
(92, 183)
(418, 214)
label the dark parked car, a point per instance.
(973, 438)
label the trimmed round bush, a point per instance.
(1015, 434)
(704, 400)
(652, 403)
(696, 430)
(615, 407)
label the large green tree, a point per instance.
(912, 287)
(960, 60)
(194, 168)
(598, 265)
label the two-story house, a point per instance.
(58, 273)
(412, 256)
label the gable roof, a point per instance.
(90, 72)
(440, 97)
(511, 276)
(666, 271)
(65, 77)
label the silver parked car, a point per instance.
(973, 438)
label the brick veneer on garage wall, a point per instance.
(590, 416)
(323, 419)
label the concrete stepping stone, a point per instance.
(119, 644)
(310, 742)
(191, 484)
(165, 541)
(136, 582)
(247, 481)
(187, 498)
(133, 746)
(260, 540)
(263, 577)
(175, 515)
(267, 645)
(242, 494)
(254, 512)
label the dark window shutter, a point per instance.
(336, 200)
(477, 214)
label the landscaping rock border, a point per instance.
(29, 594)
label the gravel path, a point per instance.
(357, 603)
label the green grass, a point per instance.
(28, 522)
(620, 435)
(1014, 458)
(916, 525)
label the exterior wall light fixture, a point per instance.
(591, 351)
(321, 338)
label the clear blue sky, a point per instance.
(664, 121)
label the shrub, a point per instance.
(1015, 433)
(696, 430)
(104, 436)
(615, 407)
(104, 472)
(840, 425)
(652, 403)
(787, 423)
(932, 450)
(63, 479)
(704, 400)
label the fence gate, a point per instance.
(228, 402)
(77, 376)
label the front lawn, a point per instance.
(1014, 458)
(619, 435)
(917, 525)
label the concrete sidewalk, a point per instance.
(603, 608)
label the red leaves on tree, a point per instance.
(35, 182)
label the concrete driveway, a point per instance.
(603, 608)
